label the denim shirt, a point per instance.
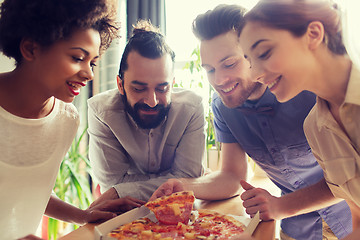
(271, 133)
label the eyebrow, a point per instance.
(145, 84)
(257, 43)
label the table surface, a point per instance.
(264, 231)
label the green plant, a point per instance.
(72, 183)
(198, 80)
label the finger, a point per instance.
(245, 185)
(99, 216)
(121, 202)
(136, 200)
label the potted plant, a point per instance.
(72, 185)
(198, 80)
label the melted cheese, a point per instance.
(176, 208)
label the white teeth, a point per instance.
(74, 85)
(228, 89)
(270, 85)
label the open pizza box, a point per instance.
(101, 231)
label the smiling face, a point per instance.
(66, 66)
(228, 71)
(278, 59)
(147, 88)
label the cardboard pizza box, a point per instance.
(101, 231)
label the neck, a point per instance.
(19, 96)
(332, 79)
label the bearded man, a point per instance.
(146, 131)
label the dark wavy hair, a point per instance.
(221, 19)
(295, 16)
(48, 21)
(148, 42)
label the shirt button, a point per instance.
(151, 134)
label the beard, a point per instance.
(237, 101)
(146, 121)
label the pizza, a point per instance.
(207, 224)
(176, 220)
(174, 208)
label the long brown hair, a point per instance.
(295, 16)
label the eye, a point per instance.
(265, 55)
(77, 59)
(139, 89)
(230, 64)
(210, 71)
(162, 89)
(92, 65)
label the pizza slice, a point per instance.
(174, 208)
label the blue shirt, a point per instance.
(271, 133)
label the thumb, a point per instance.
(245, 185)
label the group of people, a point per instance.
(286, 95)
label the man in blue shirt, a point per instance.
(249, 120)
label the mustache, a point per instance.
(146, 107)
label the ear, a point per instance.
(28, 49)
(120, 85)
(315, 33)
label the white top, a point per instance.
(31, 153)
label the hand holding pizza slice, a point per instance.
(174, 208)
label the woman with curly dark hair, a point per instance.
(55, 45)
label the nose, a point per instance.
(87, 73)
(257, 73)
(151, 99)
(220, 78)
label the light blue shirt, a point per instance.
(271, 133)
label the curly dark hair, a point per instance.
(48, 21)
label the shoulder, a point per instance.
(187, 98)
(68, 109)
(110, 100)
(216, 100)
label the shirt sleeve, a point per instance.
(222, 132)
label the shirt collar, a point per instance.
(266, 104)
(352, 96)
(353, 89)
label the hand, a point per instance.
(109, 205)
(167, 188)
(30, 237)
(242, 236)
(258, 199)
